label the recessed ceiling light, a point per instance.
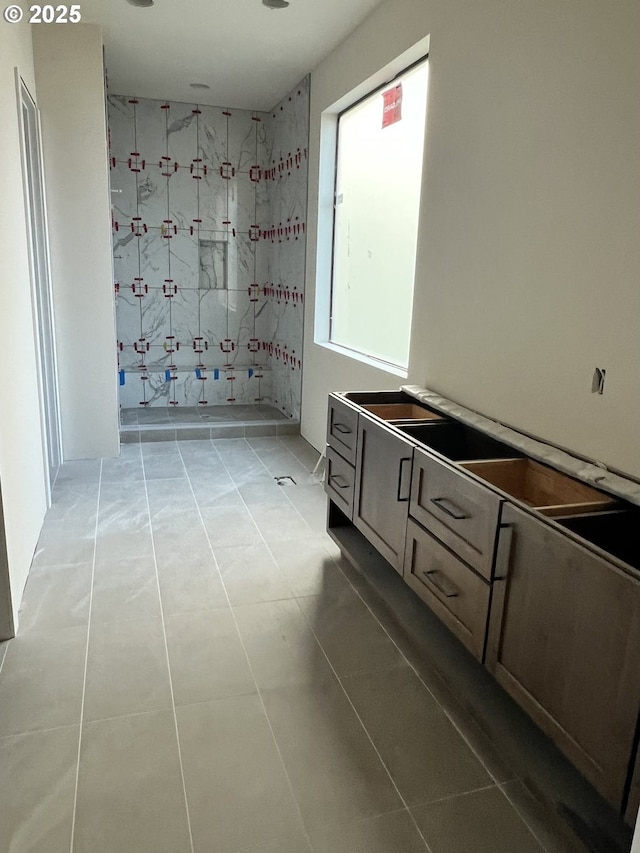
(142, 3)
(275, 4)
(199, 85)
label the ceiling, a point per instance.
(249, 55)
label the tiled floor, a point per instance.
(197, 671)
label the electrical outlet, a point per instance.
(597, 383)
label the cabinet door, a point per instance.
(383, 482)
(563, 641)
(342, 428)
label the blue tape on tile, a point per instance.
(250, 372)
(122, 377)
(198, 373)
(167, 376)
(216, 374)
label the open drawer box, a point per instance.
(393, 406)
(401, 412)
(614, 532)
(550, 492)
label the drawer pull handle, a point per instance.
(343, 429)
(337, 480)
(402, 486)
(451, 509)
(445, 586)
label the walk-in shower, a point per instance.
(209, 235)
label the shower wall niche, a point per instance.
(209, 241)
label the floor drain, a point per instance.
(285, 481)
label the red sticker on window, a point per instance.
(392, 109)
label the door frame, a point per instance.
(40, 275)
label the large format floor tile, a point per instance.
(65, 544)
(37, 787)
(199, 588)
(130, 792)
(352, 638)
(306, 564)
(335, 772)
(281, 647)
(237, 790)
(127, 670)
(230, 526)
(422, 750)
(481, 822)
(41, 680)
(250, 574)
(56, 598)
(125, 589)
(206, 657)
(390, 833)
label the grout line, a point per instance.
(166, 651)
(448, 797)
(246, 654)
(38, 731)
(86, 661)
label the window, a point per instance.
(377, 197)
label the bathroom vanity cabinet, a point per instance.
(537, 573)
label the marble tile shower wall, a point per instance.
(286, 179)
(209, 245)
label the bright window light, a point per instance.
(377, 200)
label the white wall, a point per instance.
(528, 254)
(22, 472)
(70, 79)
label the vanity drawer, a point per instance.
(460, 512)
(339, 481)
(455, 593)
(342, 428)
